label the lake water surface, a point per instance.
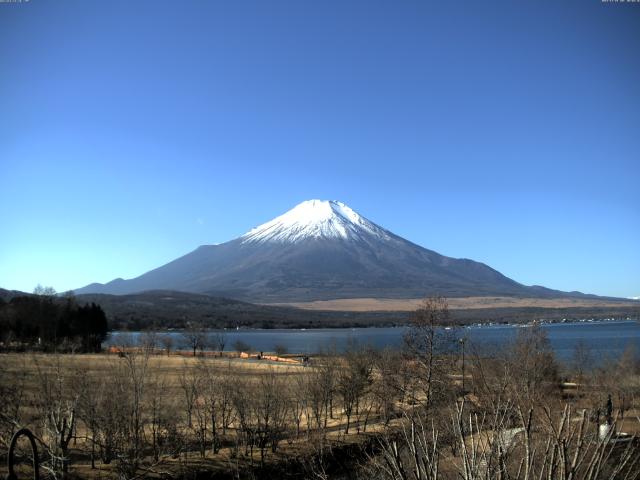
(604, 339)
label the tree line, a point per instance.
(47, 322)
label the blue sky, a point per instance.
(506, 132)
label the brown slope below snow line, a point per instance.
(463, 303)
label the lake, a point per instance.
(605, 339)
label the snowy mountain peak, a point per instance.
(315, 219)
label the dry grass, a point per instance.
(170, 365)
(168, 370)
(464, 303)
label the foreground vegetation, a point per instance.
(380, 415)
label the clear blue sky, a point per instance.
(507, 132)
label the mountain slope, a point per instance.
(321, 250)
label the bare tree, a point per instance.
(91, 389)
(242, 392)
(423, 341)
(111, 400)
(321, 387)
(492, 448)
(200, 406)
(124, 409)
(280, 350)
(57, 404)
(195, 337)
(213, 397)
(298, 400)
(532, 367)
(241, 346)
(162, 418)
(149, 341)
(44, 291)
(226, 380)
(167, 343)
(391, 383)
(619, 378)
(270, 407)
(354, 378)
(581, 361)
(219, 341)
(190, 386)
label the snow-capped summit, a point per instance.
(315, 219)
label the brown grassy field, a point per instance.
(35, 373)
(464, 303)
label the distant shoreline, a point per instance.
(594, 321)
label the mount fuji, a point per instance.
(322, 250)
